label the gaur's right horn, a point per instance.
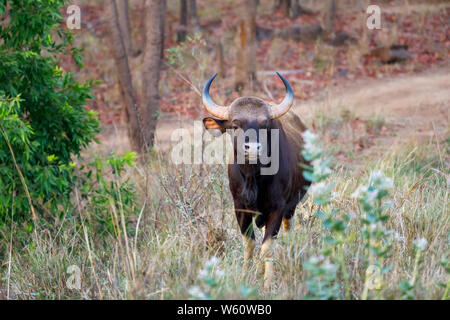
(215, 110)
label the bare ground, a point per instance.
(414, 108)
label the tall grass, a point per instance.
(185, 217)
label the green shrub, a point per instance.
(325, 269)
(108, 195)
(49, 124)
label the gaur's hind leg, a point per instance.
(289, 213)
(287, 219)
(286, 224)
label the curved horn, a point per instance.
(286, 104)
(214, 109)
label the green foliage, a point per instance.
(377, 241)
(49, 124)
(446, 265)
(48, 181)
(322, 280)
(323, 269)
(108, 198)
(407, 286)
(376, 238)
(189, 55)
(186, 52)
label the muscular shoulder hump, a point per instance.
(293, 127)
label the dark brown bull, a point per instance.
(272, 197)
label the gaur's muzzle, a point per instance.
(252, 150)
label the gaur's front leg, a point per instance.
(245, 221)
(272, 227)
(287, 219)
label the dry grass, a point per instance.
(188, 218)
(185, 213)
(185, 216)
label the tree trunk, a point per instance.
(294, 9)
(182, 28)
(193, 15)
(220, 60)
(155, 16)
(124, 23)
(140, 42)
(286, 4)
(245, 72)
(135, 129)
(329, 17)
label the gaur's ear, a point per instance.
(214, 125)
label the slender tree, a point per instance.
(245, 72)
(329, 16)
(155, 18)
(193, 15)
(141, 121)
(119, 52)
(292, 8)
(124, 23)
(182, 28)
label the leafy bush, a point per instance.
(323, 269)
(43, 112)
(328, 271)
(109, 196)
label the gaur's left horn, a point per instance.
(286, 104)
(217, 111)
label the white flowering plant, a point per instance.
(211, 284)
(323, 270)
(322, 281)
(210, 278)
(377, 239)
(318, 170)
(407, 286)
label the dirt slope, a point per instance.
(415, 107)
